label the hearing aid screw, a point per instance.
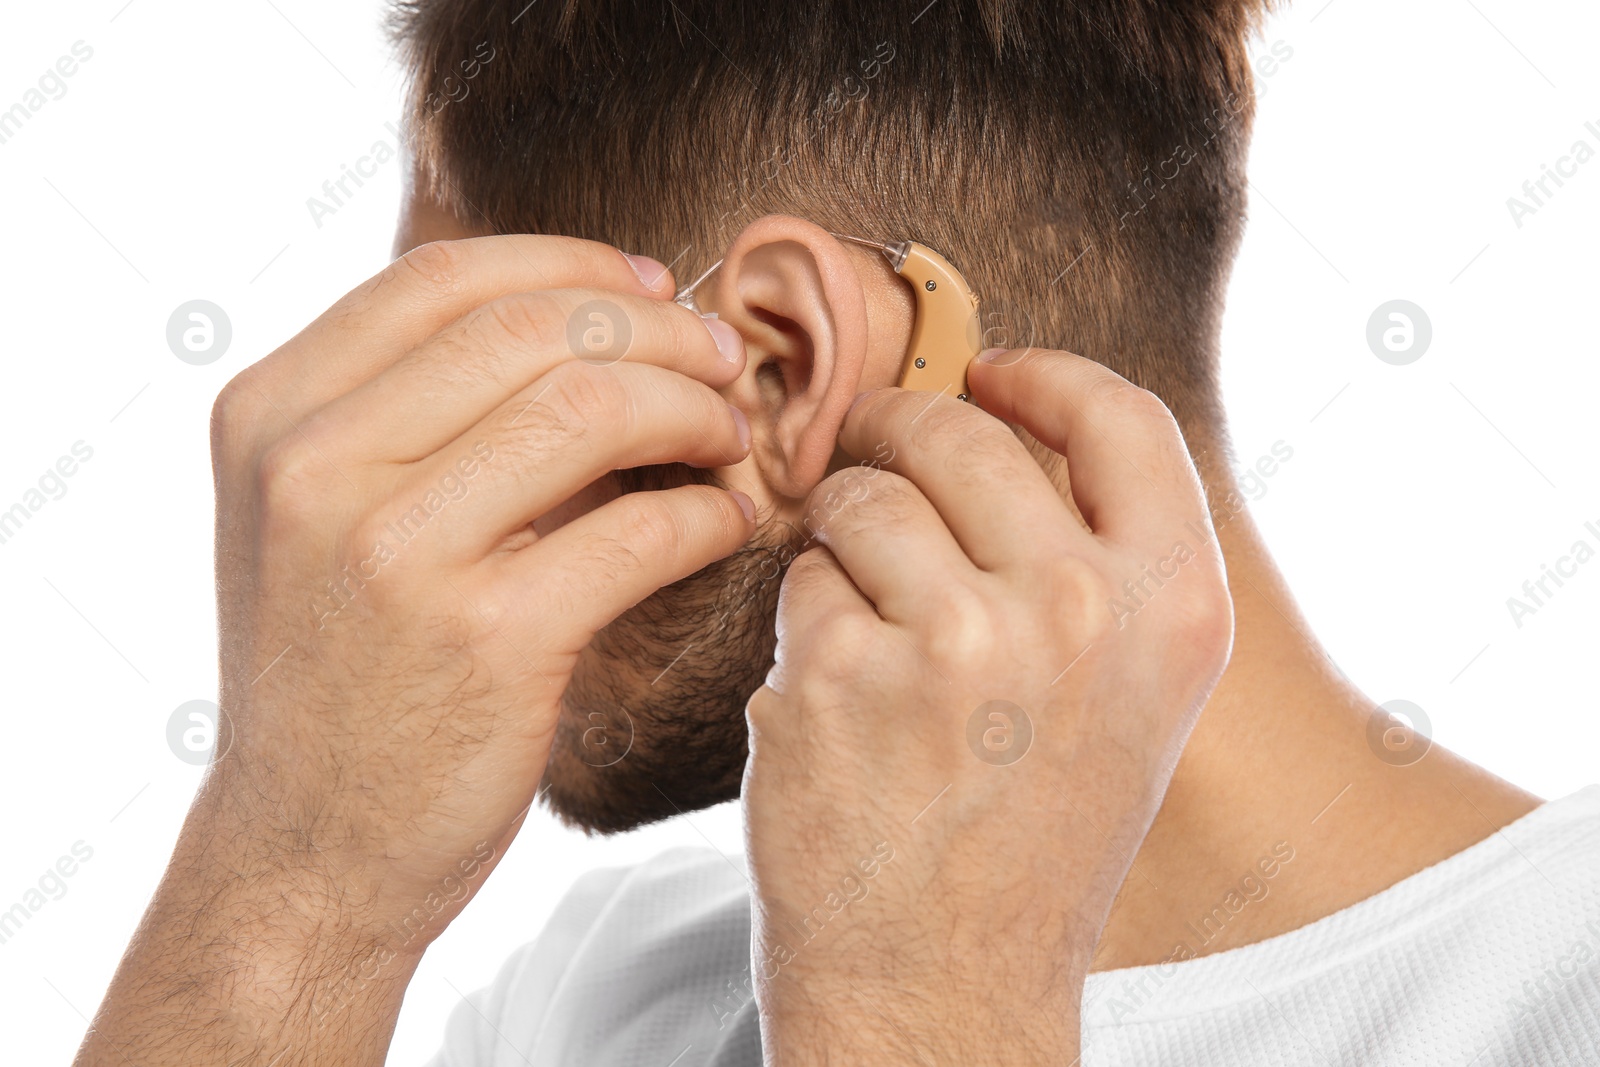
(930, 285)
(921, 363)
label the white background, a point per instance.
(178, 164)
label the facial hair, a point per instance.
(652, 724)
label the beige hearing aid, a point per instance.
(945, 332)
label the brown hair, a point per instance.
(1081, 162)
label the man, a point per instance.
(507, 498)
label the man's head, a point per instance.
(1081, 163)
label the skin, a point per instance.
(925, 604)
(388, 752)
(389, 755)
(1283, 733)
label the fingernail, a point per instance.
(744, 428)
(989, 355)
(652, 272)
(746, 505)
(729, 343)
(859, 398)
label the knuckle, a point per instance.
(1207, 620)
(290, 476)
(996, 437)
(1083, 593)
(652, 527)
(832, 485)
(531, 434)
(960, 440)
(367, 581)
(582, 394)
(807, 583)
(930, 423)
(612, 554)
(1144, 404)
(711, 510)
(764, 710)
(560, 415)
(808, 572)
(487, 611)
(439, 267)
(964, 627)
(678, 334)
(371, 554)
(851, 500)
(372, 529)
(529, 319)
(987, 447)
(235, 411)
(460, 354)
(1114, 395)
(844, 640)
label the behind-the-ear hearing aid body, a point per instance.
(945, 332)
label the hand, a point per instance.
(400, 607)
(963, 741)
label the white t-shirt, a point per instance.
(1489, 957)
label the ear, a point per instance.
(791, 290)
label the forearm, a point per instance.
(243, 958)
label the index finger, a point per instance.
(425, 290)
(971, 467)
(1132, 477)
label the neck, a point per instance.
(1279, 766)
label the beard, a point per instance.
(652, 723)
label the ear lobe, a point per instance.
(792, 291)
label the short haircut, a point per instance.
(1081, 161)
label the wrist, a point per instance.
(233, 966)
(260, 901)
(901, 1027)
(993, 986)
(313, 861)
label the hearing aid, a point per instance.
(945, 330)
